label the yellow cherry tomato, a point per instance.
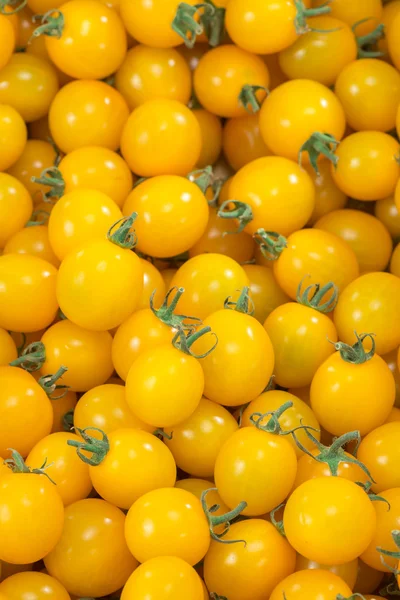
(394, 415)
(328, 196)
(8, 349)
(220, 76)
(91, 30)
(152, 282)
(149, 73)
(391, 361)
(309, 468)
(387, 521)
(264, 291)
(242, 141)
(329, 508)
(8, 39)
(387, 212)
(39, 586)
(25, 278)
(86, 354)
(87, 113)
(15, 207)
(60, 407)
(93, 543)
(351, 13)
(311, 584)
(163, 578)
(13, 134)
(37, 156)
(320, 254)
(34, 241)
(78, 217)
(279, 192)
(197, 487)
(347, 571)
(28, 84)
(379, 452)
(167, 275)
(286, 125)
(370, 303)
(161, 137)
(391, 36)
(211, 137)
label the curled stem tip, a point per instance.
(17, 465)
(304, 13)
(365, 43)
(277, 524)
(32, 358)
(202, 178)
(272, 425)
(314, 295)
(51, 177)
(356, 354)
(188, 23)
(184, 342)
(166, 311)
(233, 209)
(248, 99)
(123, 236)
(271, 243)
(373, 497)
(243, 304)
(97, 448)
(49, 384)
(34, 220)
(214, 24)
(225, 519)
(317, 144)
(10, 7)
(52, 24)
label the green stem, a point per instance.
(32, 358)
(58, 156)
(352, 597)
(49, 384)
(166, 311)
(51, 177)
(271, 243)
(304, 13)
(185, 23)
(391, 589)
(214, 24)
(20, 348)
(216, 187)
(68, 420)
(123, 236)
(356, 354)
(36, 213)
(317, 144)
(214, 596)
(277, 524)
(163, 435)
(240, 211)
(4, 4)
(184, 343)
(51, 25)
(248, 99)
(313, 296)
(225, 519)
(98, 448)
(17, 465)
(373, 497)
(244, 303)
(202, 178)
(364, 42)
(273, 425)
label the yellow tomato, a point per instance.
(37, 156)
(211, 137)
(8, 349)
(242, 141)
(15, 207)
(265, 291)
(13, 134)
(347, 571)
(34, 241)
(328, 196)
(387, 212)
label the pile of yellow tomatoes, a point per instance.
(199, 299)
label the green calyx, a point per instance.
(373, 497)
(35, 215)
(163, 435)
(392, 554)
(49, 384)
(233, 209)
(243, 304)
(68, 420)
(184, 342)
(304, 13)
(12, 6)
(188, 23)
(214, 596)
(123, 236)
(356, 354)
(98, 448)
(248, 99)
(214, 24)
(365, 43)
(352, 597)
(272, 425)
(214, 520)
(52, 24)
(271, 244)
(314, 294)
(53, 178)
(166, 311)
(17, 465)
(202, 178)
(32, 358)
(216, 187)
(277, 524)
(317, 144)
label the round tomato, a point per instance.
(312, 584)
(197, 487)
(221, 75)
(286, 125)
(264, 291)
(27, 279)
(353, 12)
(161, 137)
(334, 509)
(347, 571)
(15, 205)
(328, 197)
(87, 113)
(8, 349)
(8, 39)
(13, 134)
(388, 519)
(387, 212)
(211, 137)
(86, 354)
(392, 33)
(153, 285)
(93, 543)
(33, 241)
(242, 142)
(379, 451)
(38, 586)
(36, 156)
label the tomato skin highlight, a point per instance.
(379, 452)
(311, 584)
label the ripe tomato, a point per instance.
(25, 277)
(163, 578)
(79, 217)
(369, 91)
(86, 354)
(264, 291)
(211, 137)
(195, 442)
(317, 253)
(279, 192)
(391, 36)
(87, 113)
(8, 349)
(36, 585)
(8, 39)
(322, 53)
(172, 215)
(147, 73)
(391, 361)
(387, 520)
(351, 13)
(13, 134)
(97, 168)
(167, 522)
(100, 284)
(60, 407)
(370, 303)
(208, 279)
(369, 384)
(197, 487)
(242, 142)
(33, 241)
(241, 365)
(220, 76)
(152, 282)
(164, 385)
(347, 571)
(21, 401)
(27, 502)
(92, 543)
(285, 126)
(15, 205)
(379, 451)
(266, 458)
(364, 233)
(311, 584)
(161, 137)
(28, 84)
(92, 30)
(329, 508)
(248, 571)
(387, 212)
(328, 197)
(36, 156)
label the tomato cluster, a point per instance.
(199, 299)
